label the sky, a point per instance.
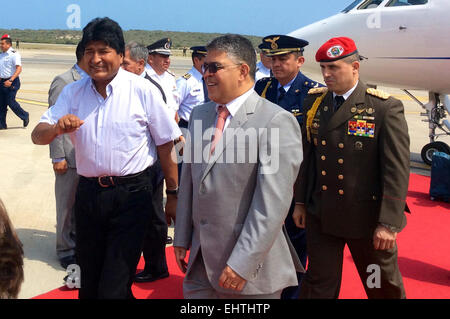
(250, 17)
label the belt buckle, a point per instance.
(105, 185)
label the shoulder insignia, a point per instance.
(318, 90)
(13, 51)
(378, 93)
(187, 76)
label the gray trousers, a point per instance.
(196, 285)
(65, 189)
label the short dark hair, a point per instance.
(79, 51)
(8, 40)
(11, 258)
(106, 30)
(238, 49)
(198, 56)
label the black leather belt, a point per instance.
(4, 80)
(108, 181)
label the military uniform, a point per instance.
(191, 90)
(293, 98)
(9, 60)
(354, 177)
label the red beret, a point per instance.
(336, 49)
(5, 36)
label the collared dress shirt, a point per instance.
(120, 133)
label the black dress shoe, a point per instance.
(169, 240)
(66, 261)
(144, 276)
(26, 121)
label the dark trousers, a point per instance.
(324, 274)
(8, 97)
(298, 239)
(154, 244)
(110, 226)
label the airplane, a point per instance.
(403, 44)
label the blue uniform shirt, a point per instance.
(294, 97)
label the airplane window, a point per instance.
(371, 4)
(399, 3)
(350, 7)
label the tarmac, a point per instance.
(27, 177)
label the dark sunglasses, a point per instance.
(213, 67)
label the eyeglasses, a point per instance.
(213, 67)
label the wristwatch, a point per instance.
(172, 191)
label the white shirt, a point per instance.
(234, 106)
(8, 62)
(261, 71)
(348, 93)
(191, 93)
(120, 133)
(169, 85)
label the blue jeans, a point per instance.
(8, 97)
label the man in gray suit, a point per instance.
(234, 196)
(62, 154)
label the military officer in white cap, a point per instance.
(158, 69)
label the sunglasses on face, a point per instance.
(213, 67)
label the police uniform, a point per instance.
(261, 71)
(292, 101)
(9, 60)
(167, 79)
(191, 90)
(354, 177)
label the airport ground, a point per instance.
(27, 178)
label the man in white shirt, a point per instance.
(263, 67)
(62, 154)
(191, 86)
(10, 68)
(118, 126)
(158, 69)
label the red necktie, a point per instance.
(222, 114)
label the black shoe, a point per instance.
(144, 276)
(169, 240)
(26, 121)
(66, 261)
(3, 128)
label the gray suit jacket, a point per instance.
(62, 145)
(235, 211)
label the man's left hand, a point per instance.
(229, 279)
(384, 238)
(7, 84)
(171, 209)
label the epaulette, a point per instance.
(171, 73)
(187, 76)
(378, 93)
(13, 51)
(318, 90)
(265, 79)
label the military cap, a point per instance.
(199, 50)
(336, 49)
(278, 44)
(161, 46)
(5, 36)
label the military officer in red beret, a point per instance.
(351, 133)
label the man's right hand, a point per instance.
(60, 168)
(180, 256)
(67, 124)
(299, 215)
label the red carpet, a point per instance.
(424, 258)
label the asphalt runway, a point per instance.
(27, 178)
